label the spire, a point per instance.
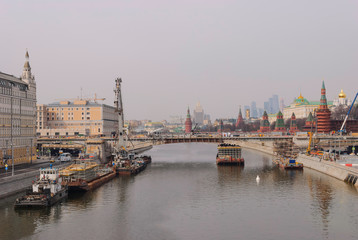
(188, 113)
(310, 117)
(293, 115)
(26, 72)
(323, 100)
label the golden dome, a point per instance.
(342, 94)
(300, 97)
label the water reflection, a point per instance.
(322, 195)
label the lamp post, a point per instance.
(11, 136)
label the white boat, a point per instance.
(45, 191)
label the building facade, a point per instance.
(17, 117)
(302, 107)
(80, 117)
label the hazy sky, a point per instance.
(172, 54)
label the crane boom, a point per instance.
(345, 119)
(119, 109)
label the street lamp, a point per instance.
(11, 136)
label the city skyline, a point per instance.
(171, 55)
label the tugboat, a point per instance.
(229, 154)
(124, 162)
(45, 191)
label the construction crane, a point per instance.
(345, 119)
(308, 150)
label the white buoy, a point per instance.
(257, 178)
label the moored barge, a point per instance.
(289, 163)
(45, 191)
(86, 175)
(130, 165)
(229, 154)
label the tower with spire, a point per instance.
(188, 123)
(264, 123)
(280, 124)
(29, 78)
(293, 124)
(240, 120)
(323, 113)
(309, 124)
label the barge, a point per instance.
(130, 165)
(45, 191)
(229, 154)
(86, 176)
(289, 163)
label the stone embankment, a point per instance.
(330, 168)
(333, 169)
(13, 184)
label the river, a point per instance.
(183, 195)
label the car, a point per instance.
(65, 157)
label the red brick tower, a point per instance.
(264, 124)
(188, 123)
(280, 123)
(309, 125)
(293, 124)
(240, 120)
(323, 113)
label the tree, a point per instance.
(339, 112)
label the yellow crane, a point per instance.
(308, 150)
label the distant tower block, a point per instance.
(280, 124)
(264, 123)
(293, 124)
(247, 114)
(188, 123)
(323, 113)
(240, 120)
(221, 127)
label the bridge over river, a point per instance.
(103, 146)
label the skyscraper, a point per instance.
(253, 110)
(275, 104)
(245, 110)
(199, 114)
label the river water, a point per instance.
(184, 195)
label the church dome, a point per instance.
(342, 94)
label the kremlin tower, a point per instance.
(293, 124)
(309, 125)
(188, 123)
(264, 123)
(239, 121)
(323, 113)
(280, 124)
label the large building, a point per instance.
(302, 107)
(17, 117)
(80, 117)
(199, 114)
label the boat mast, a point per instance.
(119, 109)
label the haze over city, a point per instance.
(171, 55)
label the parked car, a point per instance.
(65, 157)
